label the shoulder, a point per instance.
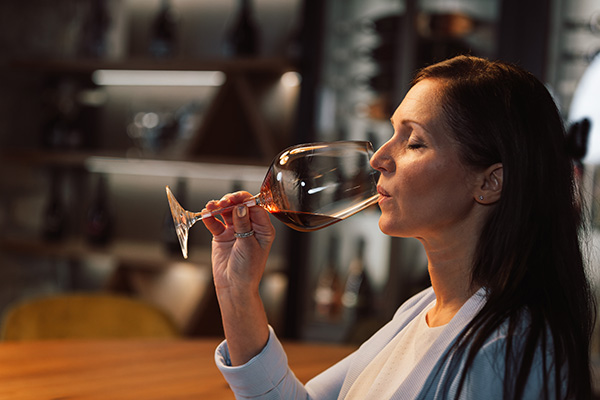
(499, 356)
(510, 340)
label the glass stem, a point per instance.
(194, 217)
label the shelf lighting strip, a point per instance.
(183, 169)
(117, 77)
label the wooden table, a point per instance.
(132, 369)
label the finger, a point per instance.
(241, 219)
(260, 219)
(224, 203)
(212, 205)
(214, 225)
(230, 200)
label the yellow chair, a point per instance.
(85, 316)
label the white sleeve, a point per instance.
(265, 376)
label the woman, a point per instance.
(477, 171)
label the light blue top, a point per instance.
(267, 376)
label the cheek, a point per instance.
(413, 190)
(419, 179)
(425, 195)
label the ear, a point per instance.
(490, 185)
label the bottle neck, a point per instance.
(245, 6)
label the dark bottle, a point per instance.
(170, 240)
(55, 132)
(55, 216)
(327, 296)
(357, 297)
(163, 35)
(98, 224)
(243, 38)
(295, 46)
(93, 36)
(63, 127)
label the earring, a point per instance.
(480, 197)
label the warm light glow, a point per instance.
(115, 77)
(183, 169)
(291, 79)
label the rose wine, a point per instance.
(283, 192)
(304, 221)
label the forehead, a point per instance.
(422, 104)
(424, 96)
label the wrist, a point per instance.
(244, 323)
(239, 295)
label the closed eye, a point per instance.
(415, 146)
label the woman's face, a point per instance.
(426, 191)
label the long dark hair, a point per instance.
(528, 258)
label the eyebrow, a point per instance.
(409, 122)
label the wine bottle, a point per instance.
(163, 36)
(55, 216)
(357, 291)
(99, 221)
(294, 48)
(243, 38)
(327, 295)
(93, 36)
(55, 132)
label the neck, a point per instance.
(450, 274)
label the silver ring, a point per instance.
(244, 234)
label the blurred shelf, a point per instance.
(44, 157)
(116, 162)
(129, 253)
(86, 66)
(251, 137)
(146, 255)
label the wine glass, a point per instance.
(308, 187)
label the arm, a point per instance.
(267, 376)
(238, 265)
(252, 359)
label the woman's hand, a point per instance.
(238, 263)
(238, 266)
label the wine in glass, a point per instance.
(307, 187)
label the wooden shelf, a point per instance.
(86, 66)
(132, 253)
(115, 162)
(76, 157)
(251, 138)
(249, 135)
(46, 157)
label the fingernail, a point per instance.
(241, 211)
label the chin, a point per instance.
(386, 227)
(391, 228)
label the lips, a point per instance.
(382, 192)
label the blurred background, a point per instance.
(90, 135)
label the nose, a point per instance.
(382, 161)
